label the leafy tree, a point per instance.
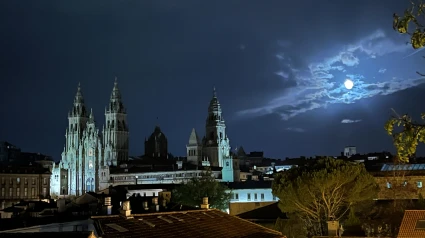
(192, 193)
(409, 133)
(323, 190)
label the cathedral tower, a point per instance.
(194, 149)
(115, 133)
(216, 145)
(157, 145)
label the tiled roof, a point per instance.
(408, 224)
(70, 234)
(203, 223)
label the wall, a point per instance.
(244, 200)
(241, 207)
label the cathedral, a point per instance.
(87, 154)
(214, 149)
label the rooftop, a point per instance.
(202, 223)
(250, 184)
(69, 234)
(413, 224)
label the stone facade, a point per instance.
(87, 155)
(22, 183)
(214, 149)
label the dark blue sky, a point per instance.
(278, 66)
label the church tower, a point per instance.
(156, 146)
(216, 145)
(194, 149)
(115, 133)
(71, 156)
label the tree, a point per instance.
(192, 193)
(323, 190)
(409, 133)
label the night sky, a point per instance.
(278, 67)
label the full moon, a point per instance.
(348, 84)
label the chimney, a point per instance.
(333, 228)
(60, 203)
(108, 205)
(125, 209)
(205, 204)
(155, 203)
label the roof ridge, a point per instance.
(263, 227)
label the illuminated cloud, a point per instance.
(295, 129)
(320, 84)
(346, 121)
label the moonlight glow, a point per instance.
(348, 84)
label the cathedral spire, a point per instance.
(214, 103)
(91, 117)
(79, 108)
(115, 102)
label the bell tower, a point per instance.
(216, 145)
(115, 131)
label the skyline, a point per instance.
(280, 80)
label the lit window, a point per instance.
(419, 184)
(18, 180)
(18, 192)
(388, 185)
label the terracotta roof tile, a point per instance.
(408, 224)
(203, 223)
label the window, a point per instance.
(236, 196)
(18, 180)
(44, 181)
(232, 196)
(262, 197)
(25, 180)
(18, 192)
(44, 192)
(10, 181)
(10, 192)
(249, 197)
(32, 192)
(420, 224)
(419, 184)
(25, 192)
(255, 196)
(388, 185)
(2, 192)
(33, 181)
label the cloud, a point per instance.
(282, 74)
(382, 71)
(346, 121)
(295, 129)
(318, 84)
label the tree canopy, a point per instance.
(192, 192)
(323, 190)
(405, 132)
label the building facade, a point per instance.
(23, 183)
(214, 149)
(88, 154)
